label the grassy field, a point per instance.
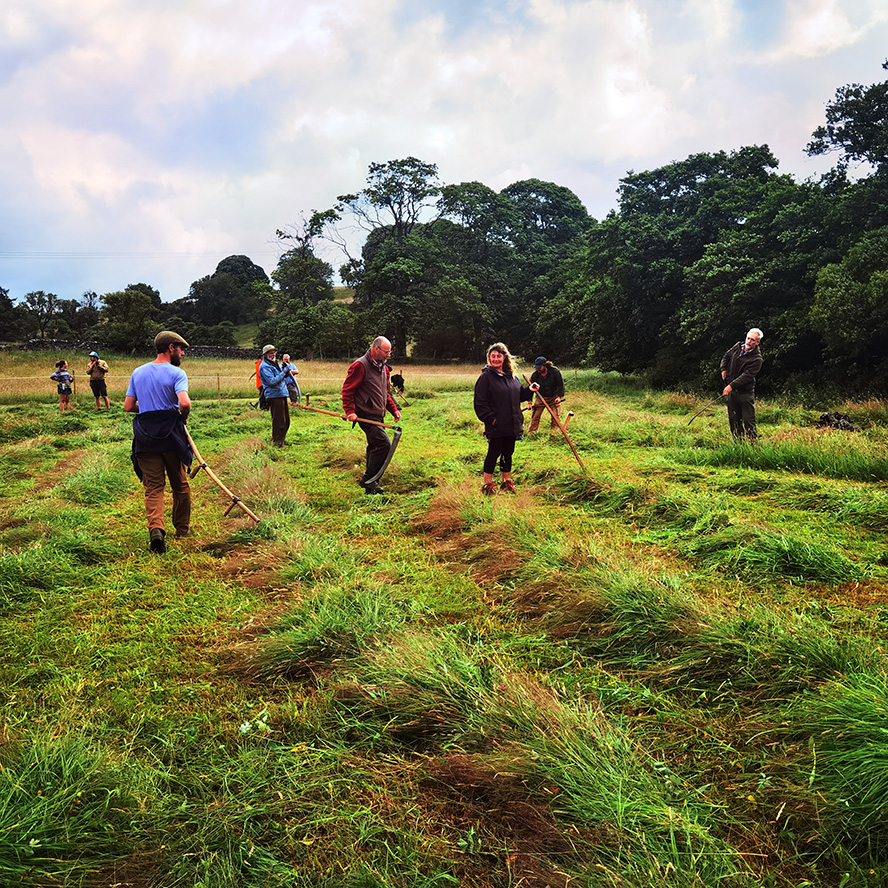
(24, 377)
(668, 669)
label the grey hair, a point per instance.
(761, 335)
(377, 343)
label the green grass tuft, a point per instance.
(65, 812)
(846, 726)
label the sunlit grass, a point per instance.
(583, 684)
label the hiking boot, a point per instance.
(373, 489)
(489, 489)
(507, 486)
(157, 543)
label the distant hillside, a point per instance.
(343, 294)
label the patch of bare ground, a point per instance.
(68, 464)
(255, 565)
(516, 838)
(861, 595)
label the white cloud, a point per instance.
(204, 125)
(818, 27)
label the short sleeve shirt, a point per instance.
(157, 386)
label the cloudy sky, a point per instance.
(145, 141)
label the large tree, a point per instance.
(12, 317)
(488, 217)
(761, 274)
(397, 192)
(304, 282)
(42, 311)
(856, 125)
(233, 293)
(630, 278)
(130, 318)
(850, 311)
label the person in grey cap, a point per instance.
(548, 377)
(274, 385)
(96, 370)
(158, 393)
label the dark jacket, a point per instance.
(366, 389)
(740, 369)
(160, 431)
(551, 385)
(498, 404)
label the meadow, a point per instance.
(667, 668)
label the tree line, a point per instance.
(696, 252)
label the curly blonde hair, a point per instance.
(508, 360)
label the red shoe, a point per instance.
(508, 486)
(489, 489)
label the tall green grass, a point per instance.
(763, 553)
(831, 458)
(434, 693)
(846, 729)
(66, 813)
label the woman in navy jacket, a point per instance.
(498, 397)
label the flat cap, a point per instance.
(166, 338)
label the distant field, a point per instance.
(26, 375)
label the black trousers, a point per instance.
(741, 415)
(378, 445)
(499, 449)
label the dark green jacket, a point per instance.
(741, 369)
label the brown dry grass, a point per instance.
(27, 373)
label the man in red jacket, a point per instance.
(365, 395)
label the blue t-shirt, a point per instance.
(157, 386)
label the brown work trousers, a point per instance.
(537, 412)
(280, 420)
(155, 468)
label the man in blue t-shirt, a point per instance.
(158, 393)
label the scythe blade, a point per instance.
(396, 437)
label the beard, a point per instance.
(175, 360)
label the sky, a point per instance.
(146, 141)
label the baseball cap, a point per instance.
(539, 361)
(267, 349)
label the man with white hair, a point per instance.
(739, 367)
(366, 395)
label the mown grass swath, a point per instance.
(670, 671)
